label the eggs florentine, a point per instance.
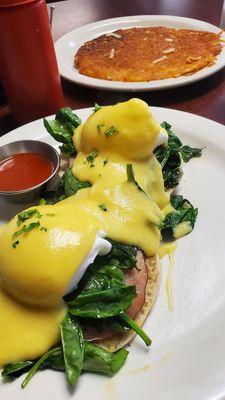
(37, 272)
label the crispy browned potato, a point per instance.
(147, 54)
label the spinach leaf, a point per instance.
(99, 360)
(183, 212)
(66, 115)
(16, 368)
(188, 152)
(73, 349)
(107, 271)
(131, 177)
(62, 129)
(63, 134)
(133, 325)
(105, 277)
(97, 107)
(72, 184)
(102, 304)
(122, 255)
(170, 157)
(38, 365)
(68, 186)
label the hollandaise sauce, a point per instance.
(23, 171)
(43, 249)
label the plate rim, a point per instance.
(158, 85)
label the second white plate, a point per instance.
(67, 46)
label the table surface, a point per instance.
(206, 98)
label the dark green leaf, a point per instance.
(130, 176)
(102, 304)
(66, 115)
(72, 184)
(38, 365)
(99, 360)
(184, 211)
(133, 325)
(176, 201)
(62, 129)
(16, 368)
(73, 349)
(170, 157)
(124, 254)
(68, 186)
(61, 133)
(188, 152)
(97, 107)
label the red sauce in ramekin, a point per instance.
(23, 171)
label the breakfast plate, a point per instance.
(186, 359)
(68, 45)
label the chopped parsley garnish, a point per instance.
(111, 131)
(97, 107)
(103, 207)
(42, 202)
(99, 126)
(26, 228)
(90, 158)
(24, 215)
(43, 228)
(15, 244)
(105, 162)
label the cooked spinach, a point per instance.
(188, 152)
(37, 365)
(17, 368)
(107, 271)
(68, 186)
(66, 115)
(183, 212)
(122, 255)
(129, 322)
(96, 107)
(131, 177)
(170, 157)
(73, 348)
(72, 184)
(100, 301)
(62, 129)
(104, 303)
(97, 359)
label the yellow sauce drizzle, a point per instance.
(168, 249)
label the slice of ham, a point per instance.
(137, 277)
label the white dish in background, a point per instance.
(67, 46)
(187, 358)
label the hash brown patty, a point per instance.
(147, 54)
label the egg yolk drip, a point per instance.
(36, 272)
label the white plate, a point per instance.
(187, 357)
(67, 46)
